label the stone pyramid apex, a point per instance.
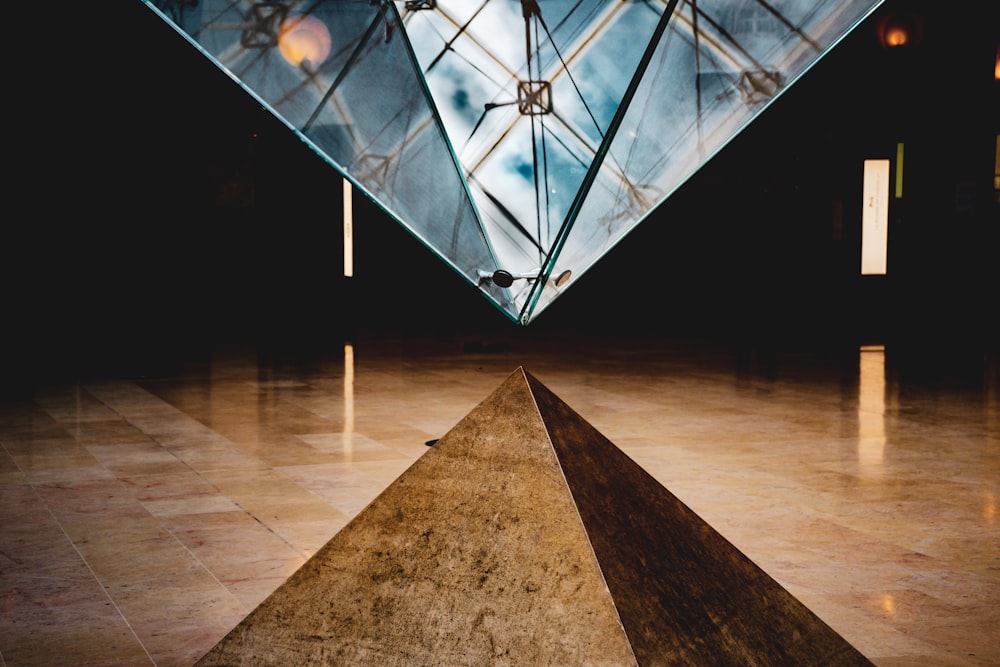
(525, 537)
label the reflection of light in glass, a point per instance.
(871, 408)
(348, 398)
(990, 508)
(304, 39)
(888, 604)
(348, 229)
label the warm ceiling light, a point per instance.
(900, 29)
(304, 39)
(896, 35)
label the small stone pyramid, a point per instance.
(525, 537)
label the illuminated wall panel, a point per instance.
(875, 217)
(348, 229)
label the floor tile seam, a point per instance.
(20, 470)
(281, 470)
(204, 566)
(201, 476)
(93, 573)
(907, 542)
(178, 541)
(277, 470)
(931, 651)
(246, 511)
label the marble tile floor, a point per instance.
(141, 518)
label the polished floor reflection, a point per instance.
(142, 518)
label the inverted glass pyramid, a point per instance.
(519, 140)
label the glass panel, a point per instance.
(316, 66)
(718, 65)
(528, 136)
(527, 92)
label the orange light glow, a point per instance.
(896, 35)
(871, 410)
(996, 67)
(900, 29)
(304, 39)
(888, 604)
